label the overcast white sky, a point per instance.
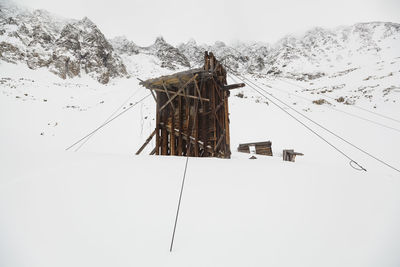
(211, 20)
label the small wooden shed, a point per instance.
(192, 113)
(262, 148)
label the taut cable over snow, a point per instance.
(352, 162)
(355, 106)
(109, 117)
(179, 202)
(180, 195)
(335, 109)
(306, 126)
(107, 122)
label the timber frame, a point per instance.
(192, 113)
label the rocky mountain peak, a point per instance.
(68, 48)
(124, 46)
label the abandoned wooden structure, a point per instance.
(261, 148)
(290, 155)
(192, 113)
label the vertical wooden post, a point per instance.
(158, 124)
(196, 125)
(172, 135)
(180, 126)
(227, 132)
(164, 132)
(213, 119)
(187, 126)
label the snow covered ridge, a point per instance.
(169, 57)
(71, 48)
(67, 48)
(319, 52)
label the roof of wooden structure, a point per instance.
(265, 143)
(176, 79)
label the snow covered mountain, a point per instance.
(315, 54)
(67, 48)
(70, 48)
(99, 205)
(168, 56)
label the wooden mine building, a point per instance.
(192, 112)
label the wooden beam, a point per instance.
(152, 93)
(198, 92)
(146, 142)
(233, 86)
(180, 89)
(227, 133)
(180, 141)
(191, 138)
(169, 98)
(181, 94)
(158, 117)
(220, 140)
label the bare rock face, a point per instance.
(170, 56)
(167, 55)
(123, 46)
(81, 47)
(69, 48)
(10, 53)
(309, 56)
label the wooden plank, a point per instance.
(198, 92)
(187, 126)
(158, 117)
(233, 86)
(169, 98)
(227, 131)
(172, 136)
(181, 94)
(152, 93)
(195, 128)
(180, 141)
(221, 138)
(146, 142)
(164, 141)
(191, 138)
(180, 89)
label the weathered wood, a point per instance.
(220, 140)
(172, 137)
(192, 114)
(262, 148)
(169, 98)
(181, 94)
(290, 155)
(176, 78)
(152, 93)
(191, 138)
(180, 89)
(158, 118)
(233, 86)
(180, 141)
(146, 142)
(198, 92)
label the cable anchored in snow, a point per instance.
(107, 122)
(305, 125)
(352, 162)
(109, 117)
(355, 106)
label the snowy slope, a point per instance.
(103, 206)
(99, 205)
